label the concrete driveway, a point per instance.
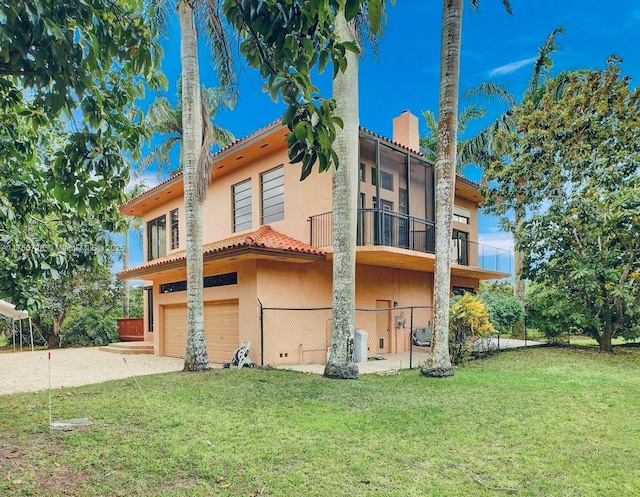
(29, 371)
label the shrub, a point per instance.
(469, 327)
(89, 330)
(504, 311)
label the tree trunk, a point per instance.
(438, 363)
(607, 333)
(340, 363)
(125, 285)
(518, 282)
(53, 339)
(196, 357)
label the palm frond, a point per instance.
(493, 92)
(369, 24)
(160, 13)
(468, 114)
(161, 156)
(163, 117)
(506, 3)
(210, 20)
(542, 65)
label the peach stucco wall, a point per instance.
(304, 335)
(301, 199)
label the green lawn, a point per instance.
(537, 422)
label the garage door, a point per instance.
(175, 330)
(221, 329)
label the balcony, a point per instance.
(381, 227)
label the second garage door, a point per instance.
(221, 324)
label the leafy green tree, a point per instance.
(90, 329)
(165, 119)
(70, 74)
(75, 287)
(504, 310)
(438, 363)
(575, 174)
(553, 313)
(484, 147)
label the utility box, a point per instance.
(360, 339)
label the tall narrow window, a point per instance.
(175, 229)
(242, 206)
(156, 238)
(272, 195)
(149, 291)
(460, 248)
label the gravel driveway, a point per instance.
(29, 371)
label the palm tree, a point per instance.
(164, 118)
(340, 363)
(429, 142)
(438, 363)
(485, 146)
(196, 141)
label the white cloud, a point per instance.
(511, 67)
(149, 180)
(497, 239)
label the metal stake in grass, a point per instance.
(49, 363)
(136, 380)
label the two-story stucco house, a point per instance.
(267, 238)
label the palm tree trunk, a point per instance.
(438, 363)
(196, 358)
(345, 192)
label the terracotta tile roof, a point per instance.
(263, 238)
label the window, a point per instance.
(242, 206)
(156, 238)
(272, 195)
(149, 290)
(363, 172)
(386, 179)
(461, 215)
(459, 248)
(175, 232)
(207, 282)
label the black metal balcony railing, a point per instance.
(393, 229)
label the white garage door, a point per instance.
(221, 325)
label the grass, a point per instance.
(536, 422)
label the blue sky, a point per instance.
(495, 46)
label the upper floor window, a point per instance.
(157, 238)
(363, 172)
(461, 215)
(272, 195)
(386, 179)
(175, 229)
(242, 206)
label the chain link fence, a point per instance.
(303, 335)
